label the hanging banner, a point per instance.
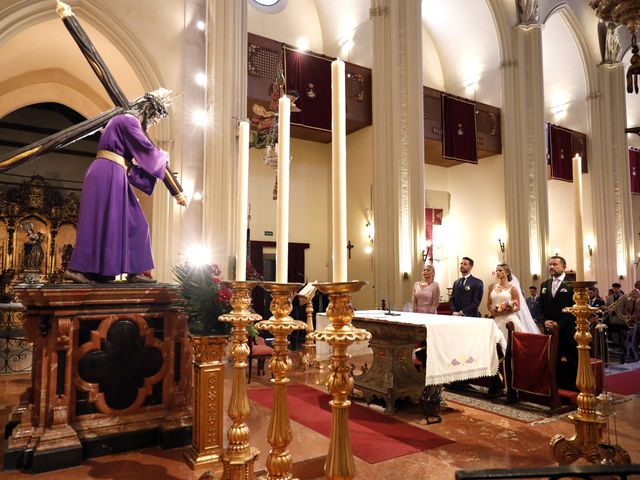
(308, 78)
(459, 130)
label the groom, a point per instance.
(555, 295)
(466, 294)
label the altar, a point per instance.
(458, 348)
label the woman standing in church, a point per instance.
(504, 300)
(426, 294)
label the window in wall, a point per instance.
(269, 6)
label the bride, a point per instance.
(505, 303)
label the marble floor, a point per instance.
(482, 440)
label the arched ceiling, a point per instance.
(466, 41)
(565, 84)
(48, 47)
(299, 19)
(460, 42)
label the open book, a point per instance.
(307, 292)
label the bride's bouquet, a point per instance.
(506, 306)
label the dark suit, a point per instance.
(534, 307)
(466, 296)
(551, 309)
(596, 302)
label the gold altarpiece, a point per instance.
(37, 229)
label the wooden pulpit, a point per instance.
(111, 372)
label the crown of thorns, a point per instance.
(158, 101)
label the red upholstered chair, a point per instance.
(531, 373)
(530, 367)
(260, 351)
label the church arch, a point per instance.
(587, 55)
(25, 15)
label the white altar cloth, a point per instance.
(458, 348)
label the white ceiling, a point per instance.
(460, 42)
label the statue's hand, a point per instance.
(181, 199)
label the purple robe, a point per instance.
(113, 235)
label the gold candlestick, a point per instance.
(339, 335)
(585, 443)
(239, 457)
(208, 379)
(280, 325)
(309, 357)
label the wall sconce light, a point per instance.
(590, 250)
(471, 84)
(368, 231)
(559, 111)
(502, 245)
(637, 262)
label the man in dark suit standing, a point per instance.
(533, 302)
(466, 294)
(555, 295)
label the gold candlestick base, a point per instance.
(309, 358)
(339, 335)
(586, 443)
(239, 458)
(280, 325)
(208, 378)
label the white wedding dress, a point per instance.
(526, 320)
(498, 296)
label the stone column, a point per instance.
(194, 98)
(398, 148)
(527, 215)
(165, 225)
(609, 166)
(227, 100)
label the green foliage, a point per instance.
(205, 298)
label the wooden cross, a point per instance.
(349, 247)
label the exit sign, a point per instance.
(268, 233)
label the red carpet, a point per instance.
(374, 437)
(624, 383)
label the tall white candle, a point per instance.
(282, 216)
(577, 190)
(243, 201)
(339, 171)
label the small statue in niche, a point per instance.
(612, 44)
(33, 251)
(528, 11)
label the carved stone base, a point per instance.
(392, 375)
(54, 459)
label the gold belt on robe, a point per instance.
(114, 157)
